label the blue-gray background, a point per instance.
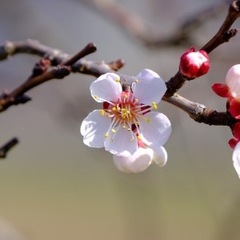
(53, 187)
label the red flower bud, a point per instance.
(194, 63)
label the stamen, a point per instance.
(102, 112)
(154, 105)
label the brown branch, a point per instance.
(199, 112)
(57, 57)
(224, 34)
(59, 72)
(7, 146)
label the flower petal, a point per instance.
(160, 155)
(106, 88)
(233, 80)
(149, 88)
(155, 128)
(135, 163)
(94, 128)
(123, 142)
(236, 158)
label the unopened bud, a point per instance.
(194, 63)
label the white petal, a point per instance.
(123, 142)
(149, 88)
(160, 156)
(236, 158)
(155, 128)
(135, 163)
(94, 128)
(106, 88)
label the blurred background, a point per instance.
(52, 186)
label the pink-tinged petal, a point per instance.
(160, 155)
(123, 142)
(94, 128)
(106, 88)
(138, 162)
(236, 158)
(155, 128)
(233, 80)
(149, 87)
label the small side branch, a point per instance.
(59, 72)
(224, 33)
(58, 57)
(7, 147)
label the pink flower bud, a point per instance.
(194, 63)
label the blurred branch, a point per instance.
(136, 27)
(8, 146)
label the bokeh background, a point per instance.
(54, 187)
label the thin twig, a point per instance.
(59, 72)
(56, 56)
(224, 33)
(8, 146)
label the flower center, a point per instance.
(125, 113)
(126, 110)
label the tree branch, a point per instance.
(199, 112)
(57, 57)
(8, 146)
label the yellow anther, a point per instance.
(148, 120)
(154, 105)
(106, 135)
(136, 80)
(125, 113)
(117, 79)
(139, 137)
(113, 130)
(102, 112)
